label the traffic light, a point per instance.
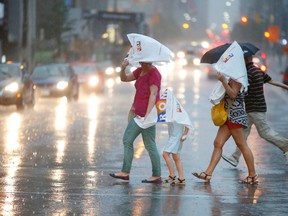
(244, 20)
(185, 25)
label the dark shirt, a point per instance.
(255, 99)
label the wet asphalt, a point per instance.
(56, 158)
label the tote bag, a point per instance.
(219, 114)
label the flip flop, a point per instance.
(119, 177)
(155, 181)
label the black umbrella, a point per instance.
(213, 55)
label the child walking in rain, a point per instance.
(177, 135)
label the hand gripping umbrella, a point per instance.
(147, 49)
(232, 65)
(213, 55)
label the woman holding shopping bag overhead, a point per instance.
(147, 84)
(234, 90)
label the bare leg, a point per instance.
(239, 138)
(222, 136)
(169, 162)
(176, 158)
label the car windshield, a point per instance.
(50, 71)
(85, 69)
(8, 71)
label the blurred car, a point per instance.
(189, 56)
(55, 80)
(260, 60)
(90, 77)
(16, 87)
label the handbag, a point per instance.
(219, 114)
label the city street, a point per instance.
(56, 158)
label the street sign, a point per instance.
(116, 16)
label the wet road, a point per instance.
(58, 156)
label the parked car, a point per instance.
(55, 80)
(90, 77)
(16, 87)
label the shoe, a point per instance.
(203, 176)
(178, 182)
(230, 160)
(286, 157)
(119, 177)
(252, 180)
(155, 181)
(169, 179)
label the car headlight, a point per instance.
(196, 61)
(93, 81)
(109, 71)
(62, 85)
(12, 87)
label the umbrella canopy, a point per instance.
(213, 55)
(147, 49)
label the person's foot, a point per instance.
(179, 181)
(286, 157)
(121, 175)
(203, 176)
(230, 160)
(169, 179)
(153, 179)
(252, 180)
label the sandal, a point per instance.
(203, 176)
(170, 179)
(252, 180)
(178, 182)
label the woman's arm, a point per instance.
(152, 99)
(123, 76)
(232, 88)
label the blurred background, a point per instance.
(36, 32)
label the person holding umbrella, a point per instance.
(256, 110)
(234, 91)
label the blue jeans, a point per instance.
(148, 135)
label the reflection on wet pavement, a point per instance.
(57, 159)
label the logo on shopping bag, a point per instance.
(161, 110)
(139, 47)
(228, 57)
